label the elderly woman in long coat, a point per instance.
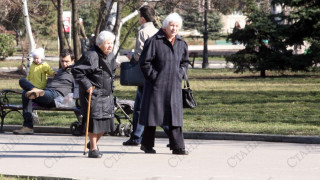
(161, 61)
(96, 68)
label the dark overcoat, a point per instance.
(161, 63)
(95, 68)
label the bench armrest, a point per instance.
(4, 100)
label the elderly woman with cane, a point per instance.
(162, 61)
(95, 72)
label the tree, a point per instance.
(303, 17)
(228, 6)
(263, 40)
(88, 12)
(7, 47)
(205, 63)
(32, 44)
(114, 21)
(11, 13)
(205, 20)
(75, 33)
(61, 35)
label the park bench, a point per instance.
(213, 50)
(192, 55)
(123, 108)
(6, 107)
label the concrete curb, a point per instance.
(196, 135)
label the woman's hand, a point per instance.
(90, 90)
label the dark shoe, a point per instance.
(130, 142)
(168, 145)
(148, 150)
(88, 146)
(94, 154)
(180, 151)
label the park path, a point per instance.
(52, 155)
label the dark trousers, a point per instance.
(136, 134)
(175, 134)
(25, 84)
(47, 100)
(137, 128)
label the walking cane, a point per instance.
(88, 117)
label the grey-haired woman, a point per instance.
(97, 68)
(161, 61)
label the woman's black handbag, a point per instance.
(130, 74)
(187, 96)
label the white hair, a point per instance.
(173, 17)
(38, 52)
(103, 36)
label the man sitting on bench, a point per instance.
(61, 85)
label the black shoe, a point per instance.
(168, 145)
(88, 146)
(94, 154)
(130, 142)
(148, 150)
(180, 151)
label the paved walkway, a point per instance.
(52, 155)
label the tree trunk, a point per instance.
(113, 21)
(100, 17)
(116, 28)
(108, 15)
(123, 20)
(32, 44)
(205, 63)
(118, 18)
(75, 33)
(60, 26)
(263, 73)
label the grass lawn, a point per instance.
(17, 63)
(279, 104)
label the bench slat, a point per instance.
(19, 107)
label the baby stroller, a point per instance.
(123, 108)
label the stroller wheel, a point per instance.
(127, 130)
(122, 129)
(115, 132)
(76, 129)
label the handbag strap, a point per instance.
(186, 82)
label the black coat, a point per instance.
(161, 63)
(96, 69)
(63, 82)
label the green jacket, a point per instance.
(38, 74)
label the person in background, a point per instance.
(82, 35)
(236, 28)
(145, 31)
(94, 72)
(61, 85)
(37, 76)
(92, 41)
(162, 61)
